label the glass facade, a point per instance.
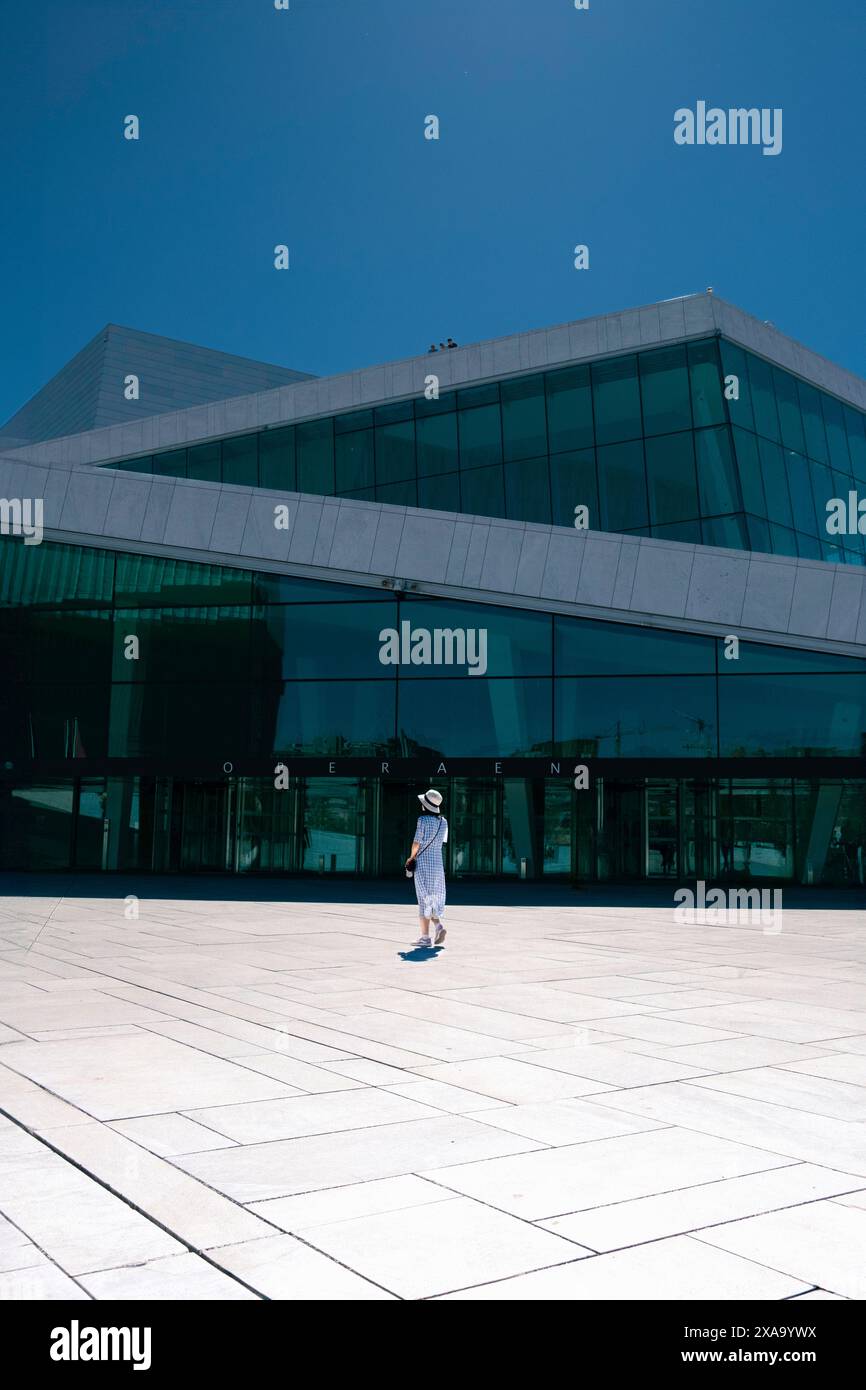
(146, 703)
(652, 443)
(804, 830)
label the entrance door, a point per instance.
(200, 825)
(620, 838)
(662, 830)
(398, 816)
(334, 825)
(473, 822)
(266, 834)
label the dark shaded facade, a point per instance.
(148, 704)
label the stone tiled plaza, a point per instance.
(255, 1098)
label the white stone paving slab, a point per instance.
(621, 1224)
(169, 1135)
(569, 1121)
(17, 1250)
(577, 1177)
(512, 1079)
(824, 1238)
(303, 1115)
(137, 1075)
(796, 1089)
(40, 1283)
(426, 1250)
(186, 1277)
(255, 1171)
(280, 1267)
(775, 1128)
(666, 1270)
(346, 1203)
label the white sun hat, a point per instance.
(431, 801)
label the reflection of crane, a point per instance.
(701, 726)
(617, 732)
(618, 735)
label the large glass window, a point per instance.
(515, 643)
(788, 402)
(671, 478)
(277, 459)
(708, 405)
(334, 640)
(756, 658)
(616, 397)
(203, 462)
(171, 464)
(569, 409)
(36, 826)
(800, 488)
(149, 579)
(241, 460)
(480, 437)
(635, 718)
(837, 438)
(664, 384)
(822, 491)
(205, 720)
(60, 644)
(855, 427)
(813, 422)
(573, 483)
(353, 454)
(775, 483)
(735, 365)
(749, 469)
(473, 717)
(180, 720)
(53, 574)
(436, 437)
(524, 427)
(440, 494)
(793, 716)
(55, 722)
(314, 442)
(585, 647)
(180, 643)
(317, 718)
(764, 399)
(482, 492)
(527, 490)
(717, 482)
(622, 486)
(759, 535)
(688, 531)
(395, 452)
(288, 588)
(403, 494)
(727, 531)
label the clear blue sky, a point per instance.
(306, 128)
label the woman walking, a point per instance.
(431, 833)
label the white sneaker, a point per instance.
(439, 938)
(422, 944)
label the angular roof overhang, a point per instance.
(659, 583)
(655, 325)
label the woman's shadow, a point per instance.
(420, 953)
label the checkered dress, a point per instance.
(432, 833)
